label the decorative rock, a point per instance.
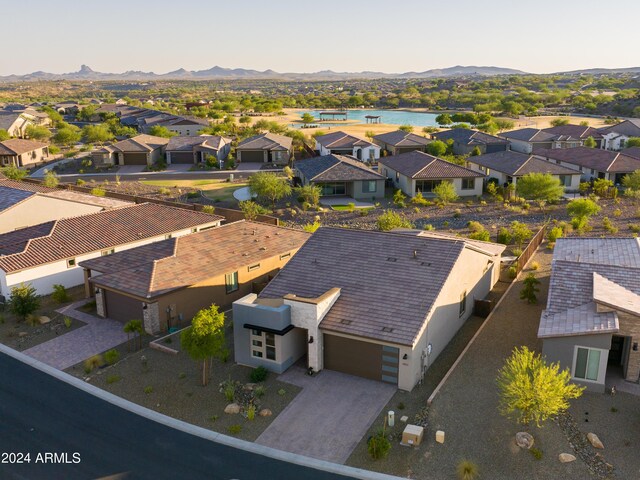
(22, 334)
(566, 458)
(249, 387)
(43, 320)
(440, 436)
(265, 412)
(232, 408)
(524, 440)
(594, 441)
(404, 419)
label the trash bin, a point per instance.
(391, 418)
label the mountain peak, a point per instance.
(85, 69)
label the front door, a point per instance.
(616, 350)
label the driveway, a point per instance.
(329, 416)
(97, 336)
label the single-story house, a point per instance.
(395, 143)
(190, 149)
(416, 171)
(339, 175)
(592, 162)
(379, 305)
(139, 150)
(24, 204)
(15, 123)
(166, 283)
(527, 140)
(49, 253)
(615, 137)
(509, 165)
(22, 153)
(67, 108)
(566, 133)
(184, 126)
(265, 148)
(466, 140)
(591, 324)
(341, 143)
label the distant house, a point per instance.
(592, 163)
(49, 253)
(265, 148)
(615, 137)
(185, 149)
(67, 108)
(509, 166)
(185, 126)
(22, 153)
(395, 143)
(15, 123)
(166, 283)
(24, 204)
(465, 141)
(591, 324)
(378, 305)
(416, 171)
(139, 150)
(339, 175)
(341, 143)
(526, 140)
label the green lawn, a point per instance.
(219, 190)
(347, 208)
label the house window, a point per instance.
(468, 183)
(565, 180)
(586, 363)
(256, 353)
(231, 282)
(337, 188)
(463, 303)
(263, 345)
(426, 186)
(397, 177)
(372, 154)
(71, 262)
(285, 255)
(104, 253)
(369, 186)
(251, 268)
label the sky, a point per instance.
(538, 36)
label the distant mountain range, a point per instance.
(220, 73)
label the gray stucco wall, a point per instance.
(561, 350)
(358, 194)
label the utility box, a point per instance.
(391, 418)
(412, 435)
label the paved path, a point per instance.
(329, 417)
(242, 194)
(97, 336)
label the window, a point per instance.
(565, 180)
(104, 253)
(231, 282)
(335, 188)
(587, 363)
(372, 154)
(468, 183)
(256, 353)
(285, 255)
(426, 186)
(251, 268)
(397, 177)
(369, 186)
(271, 346)
(71, 262)
(256, 343)
(194, 230)
(263, 345)
(463, 303)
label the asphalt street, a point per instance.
(41, 415)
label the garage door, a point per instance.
(362, 359)
(135, 158)
(181, 157)
(252, 156)
(122, 308)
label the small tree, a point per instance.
(14, 173)
(205, 338)
(475, 152)
(269, 186)
(390, 220)
(437, 148)
(36, 132)
(406, 128)
(540, 187)
(160, 131)
(631, 181)
(520, 232)
(24, 300)
(134, 327)
(97, 133)
(50, 179)
(590, 142)
(251, 209)
(288, 172)
(60, 294)
(445, 192)
(532, 390)
(399, 199)
(558, 122)
(530, 289)
(580, 210)
(4, 135)
(444, 119)
(309, 193)
(633, 142)
(307, 118)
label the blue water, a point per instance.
(393, 117)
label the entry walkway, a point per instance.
(97, 336)
(329, 417)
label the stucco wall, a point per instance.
(359, 194)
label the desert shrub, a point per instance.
(517, 251)
(478, 232)
(113, 379)
(428, 227)
(259, 391)
(378, 446)
(164, 191)
(210, 209)
(390, 220)
(351, 207)
(418, 199)
(535, 265)
(251, 412)
(504, 236)
(234, 429)
(554, 233)
(399, 199)
(259, 374)
(229, 391)
(67, 322)
(60, 294)
(148, 389)
(513, 271)
(617, 212)
(608, 226)
(457, 213)
(112, 356)
(536, 452)
(467, 470)
(98, 192)
(92, 363)
(282, 392)
(80, 182)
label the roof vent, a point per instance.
(392, 259)
(263, 248)
(245, 254)
(315, 261)
(415, 254)
(344, 321)
(425, 264)
(387, 329)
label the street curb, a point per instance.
(193, 429)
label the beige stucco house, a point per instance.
(265, 148)
(22, 153)
(139, 150)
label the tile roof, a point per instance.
(469, 137)
(488, 247)
(340, 168)
(574, 131)
(17, 146)
(70, 237)
(11, 196)
(517, 164)
(185, 143)
(400, 138)
(529, 135)
(629, 128)
(153, 270)
(7, 119)
(632, 152)
(339, 139)
(418, 164)
(266, 141)
(593, 158)
(140, 143)
(387, 292)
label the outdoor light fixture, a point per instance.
(635, 346)
(405, 356)
(144, 306)
(97, 290)
(311, 339)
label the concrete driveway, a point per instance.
(329, 416)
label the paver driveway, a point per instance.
(97, 336)
(329, 416)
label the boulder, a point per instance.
(232, 408)
(404, 419)
(22, 334)
(566, 458)
(249, 387)
(44, 320)
(524, 440)
(440, 436)
(594, 441)
(265, 412)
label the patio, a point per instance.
(343, 201)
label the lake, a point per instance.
(392, 117)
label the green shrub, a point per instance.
(213, 418)
(234, 429)
(378, 446)
(536, 452)
(282, 392)
(399, 199)
(60, 294)
(259, 374)
(259, 391)
(517, 251)
(67, 322)
(112, 356)
(251, 412)
(513, 271)
(229, 392)
(418, 199)
(467, 470)
(504, 236)
(148, 389)
(210, 209)
(390, 220)
(98, 192)
(113, 379)
(554, 234)
(92, 363)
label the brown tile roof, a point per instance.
(418, 164)
(341, 140)
(629, 128)
(574, 131)
(338, 168)
(17, 146)
(400, 138)
(140, 143)
(184, 143)
(632, 152)
(594, 158)
(12, 196)
(517, 164)
(387, 292)
(266, 141)
(469, 137)
(70, 237)
(153, 270)
(529, 135)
